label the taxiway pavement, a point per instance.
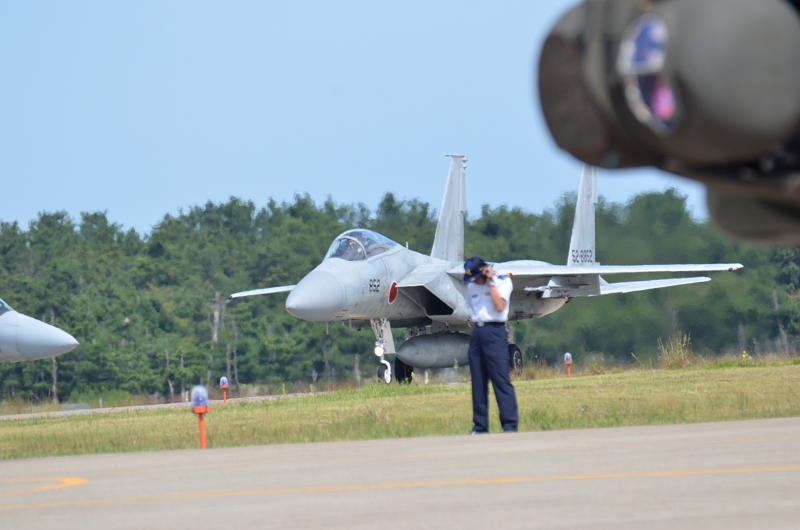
(720, 475)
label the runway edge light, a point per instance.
(200, 407)
(568, 362)
(223, 384)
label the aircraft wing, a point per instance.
(632, 287)
(268, 290)
(601, 287)
(531, 270)
(570, 281)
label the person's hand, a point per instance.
(488, 272)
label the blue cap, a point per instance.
(473, 268)
(199, 396)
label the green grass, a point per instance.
(712, 392)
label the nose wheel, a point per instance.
(384, 343)
(385, 372)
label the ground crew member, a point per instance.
(488, 297)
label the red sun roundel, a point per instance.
(392, 292)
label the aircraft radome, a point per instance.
(369, 280)
(24, 338)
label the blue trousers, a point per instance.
(488, 361)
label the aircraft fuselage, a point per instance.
(405, 287)
(339, 290)
(23, 338)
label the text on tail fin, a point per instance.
(582, 242)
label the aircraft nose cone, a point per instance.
(37, 340)
(318, 297)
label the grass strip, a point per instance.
(639, 397)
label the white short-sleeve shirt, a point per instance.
(480, 302)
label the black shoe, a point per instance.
(510, 430)
(478, 431)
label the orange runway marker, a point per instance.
(202, 430)
(201, 408)
(223, 384)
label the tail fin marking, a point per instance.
(582, 242)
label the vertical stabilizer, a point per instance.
(581, 245)
(448, 244)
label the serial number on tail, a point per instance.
(582, 256)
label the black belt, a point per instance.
(481, 324)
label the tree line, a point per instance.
(152, 315)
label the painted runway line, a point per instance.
(334, 488)
(60, 483)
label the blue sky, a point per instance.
(142, 108)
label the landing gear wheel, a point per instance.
(515, 359)
(385, 372)
(402, 371)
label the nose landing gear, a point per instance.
(385, 372)
(384, 343)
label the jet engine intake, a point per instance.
(429, 302)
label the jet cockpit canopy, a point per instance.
(4, 307)
(359, 244)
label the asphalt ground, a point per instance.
(721, 475)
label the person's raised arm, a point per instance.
(494, 293)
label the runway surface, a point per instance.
(723, 475)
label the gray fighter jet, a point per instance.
(366, 279)
(27, 339)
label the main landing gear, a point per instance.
(402, 372)
(515, 359)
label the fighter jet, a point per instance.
(367, 279)
(24, 338)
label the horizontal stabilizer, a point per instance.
(268, 290)
(632, 287)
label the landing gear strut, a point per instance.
(384, 343)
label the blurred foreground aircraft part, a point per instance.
(23, 338)
(706, 89)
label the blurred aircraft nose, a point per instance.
(37, 340)
(318, 297)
